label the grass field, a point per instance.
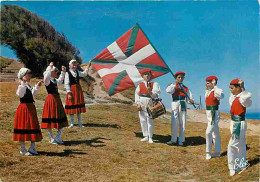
(109, 149)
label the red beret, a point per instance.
(178, 73)
(235, 81)
(210, 78)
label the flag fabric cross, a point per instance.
(121, 64)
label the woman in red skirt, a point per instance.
(26, 125)
(53, 115)
(75, 103)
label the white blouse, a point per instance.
(155, 92)
(244, 98)
(48, 78)
(74, 73)
(219, 94)
(171, 89)
(22, 89)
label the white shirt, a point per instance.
(244, 98)
(74, 73)
(47, 78)
(22, 89)
(171, 89)
(218, 93)
(145, 101)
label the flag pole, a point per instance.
(155, 49)
(162, 59)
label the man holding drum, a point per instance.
(180, 95)
(144, 93)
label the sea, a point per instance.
(253, 115)
(249, 115)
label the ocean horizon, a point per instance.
(253, 115)
(249, 115)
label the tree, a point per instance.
(34, 40)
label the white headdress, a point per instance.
(50, 69)
(72, 61)
(22, 73)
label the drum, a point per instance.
(156, 109)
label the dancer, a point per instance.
(144, 93)
(239, 101)
(26, 125)
(212, 97)
(53, 115)
(75, 103)
(179, 105)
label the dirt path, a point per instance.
(253, 127)
(199, 116)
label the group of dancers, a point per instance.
(181, 96)
(26, 124)
(27, 127)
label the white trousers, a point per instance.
(146, 124)
(178, 121)
(237, 147)
(212, 132)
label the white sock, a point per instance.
(72, 119)
(22, 146)
(32, 145)
(50, 135)
(79, 118)
(59, 134)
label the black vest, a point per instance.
(52, 88)
(28, 97)
(72, 79)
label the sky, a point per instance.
(200, 38)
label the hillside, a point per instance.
(9, 69)
(100, 94)
(92, 85)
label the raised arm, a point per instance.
(218, 93)
(170, 88)
(245, 99)
(85, 72)
(62, 75)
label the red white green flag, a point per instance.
(121, 64)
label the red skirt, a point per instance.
(53, 115)
(26, 124)
(77, 103)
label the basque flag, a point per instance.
(121, 64)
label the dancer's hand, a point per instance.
(39, 83)
(69, 95)
(241, 83)
(191, 101)
(139, 107)
(213, 82)
(63, 68)
(51, 64)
